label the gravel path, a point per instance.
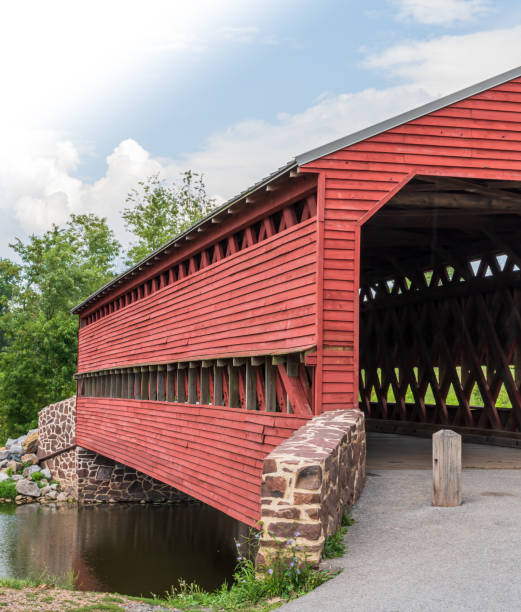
(404, 555)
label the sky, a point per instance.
(97, 95)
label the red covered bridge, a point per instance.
(383, 269)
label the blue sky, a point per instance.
(98, 95)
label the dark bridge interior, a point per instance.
(440, 305)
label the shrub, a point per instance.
(37, 476)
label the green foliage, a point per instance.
(334, 546)
(8, 489)
(58, 269)
(37, 476)
(10, 471)
(158, 212)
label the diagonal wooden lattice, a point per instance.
(443, 345)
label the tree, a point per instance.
(58, 270)
(158, 211)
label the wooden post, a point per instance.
(251, 386)
(205, 382)
(130, 383)
(137, 383)
(270, 387)
(124, 383)
(218, 398)
(170, 385)
(233, 387)
(446, 468)
(192, 382)
(153, 382)
(144, 383)
(181, 386)
(161, 390)
(117, 383)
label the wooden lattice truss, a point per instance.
(440, 307)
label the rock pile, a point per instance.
(22, 479)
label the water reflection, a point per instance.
(132, 549)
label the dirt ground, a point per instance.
(46, 599)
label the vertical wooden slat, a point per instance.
(144, 383)
(124, 383)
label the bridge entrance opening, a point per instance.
(440, 309)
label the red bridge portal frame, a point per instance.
(381, 270)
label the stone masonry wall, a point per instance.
(310, 480)
(102, 480)
(56, 427)
(92, 477)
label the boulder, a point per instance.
(30, 444)
(29, 471)
(61, 497)
(29, 458)
(4, 454)
(52, 495)
(17, 477)
(27, 488)
(4, 476)
(46, 472)
(16, 450)
(45, 490)
(13, 465)
(3, 464)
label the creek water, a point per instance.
(129, 548)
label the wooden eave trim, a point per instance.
(275, 202)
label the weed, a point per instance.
(10, 472)
(36, 476)
(334, 546)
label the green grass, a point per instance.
(98, 607)
(334, 546)
(61, 582)
(8, 489)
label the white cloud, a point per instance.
(449, 63)
(441, 12)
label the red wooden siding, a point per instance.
(479, 137)
(260, 300)
(212, 453)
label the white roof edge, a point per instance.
(416, 113)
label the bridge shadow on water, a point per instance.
(126, 548)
